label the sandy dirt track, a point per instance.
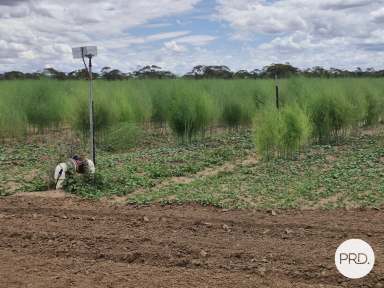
(54, 242)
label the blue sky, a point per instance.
(179, 34)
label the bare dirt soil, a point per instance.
(67, 242)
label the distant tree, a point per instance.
(370, 70)
(316, 71)
(334, 72)
(105, 70)
(358, 72)
(81, 74)
(33, 76)
(210, 72)
(13, 75)
(53, 74)
(153, 72)
(281, 70)
(77, 74)
(108, 74)
(198, 72)
(243, 74)
(256, 73)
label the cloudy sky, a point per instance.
(179, 34)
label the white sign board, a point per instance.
(88, 51)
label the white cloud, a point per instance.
(378, 15)
(345, 33)
(163, 36)
(175, 47)
(318, 32)
(40, 31)
(197, 40)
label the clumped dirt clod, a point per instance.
(98, 244)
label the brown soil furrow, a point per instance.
(51, 242)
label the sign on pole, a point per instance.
(81, 53)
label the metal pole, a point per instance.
(277, 92)
(91, 114)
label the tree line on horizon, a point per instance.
(198, 72)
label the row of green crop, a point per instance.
(313, 109)
(321, 111)
(188, 107)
